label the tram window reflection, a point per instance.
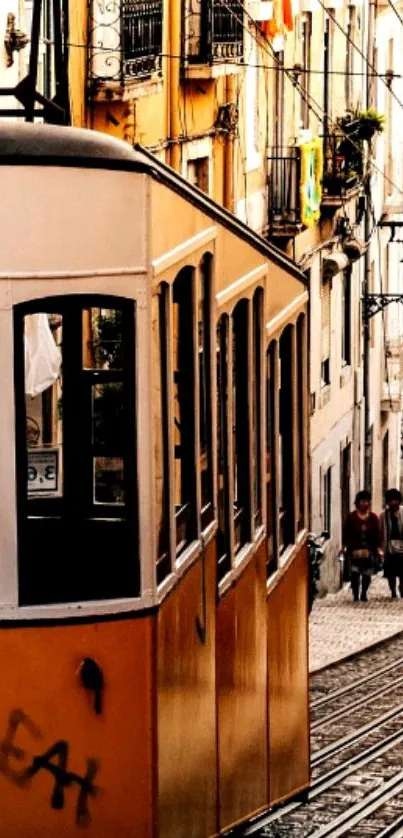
(102, 339)
(44, 404)
(271, 486)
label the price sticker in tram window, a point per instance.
(43, 471)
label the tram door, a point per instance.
(75, 426)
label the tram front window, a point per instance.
(76, 471)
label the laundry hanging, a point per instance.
(42, 356)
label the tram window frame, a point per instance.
(271, 457)
(183, 381)
(204, 354)
(241, 426)
(223, 468)
(301, 419)
(163, 554)
(257, 331)
(286, 512)
(82, 580)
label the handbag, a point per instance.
(396, 546)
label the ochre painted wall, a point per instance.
(186, 707)
(242, 694)
(42, 703)
(288, 681)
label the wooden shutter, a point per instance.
(325, 346)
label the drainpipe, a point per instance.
(367, 269)
(229, 147)
(174, 83)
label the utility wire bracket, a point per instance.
(373, 303)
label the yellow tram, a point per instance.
(153, 479)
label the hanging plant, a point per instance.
(362, 125)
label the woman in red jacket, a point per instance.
(362, 544)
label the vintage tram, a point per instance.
(153, 477)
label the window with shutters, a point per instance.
(346, 317)
(327, 500)
(349, 79)
(306, 31)
(325, 337)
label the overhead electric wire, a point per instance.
(399, 17)
(307, 96)
(359, 50)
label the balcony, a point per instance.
(342, 169)
(126, 45)
(213, 38)
(284, 198)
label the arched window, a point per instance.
(271, 457)
(301, 420)
(286, 441)
(183, 340)
(223, 537)
(76, 453)
(160, 319)
(240, 425)
(205, 422)
(257, 313)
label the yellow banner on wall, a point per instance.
(311, 181)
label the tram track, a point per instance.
(331, 778)
(348, 767)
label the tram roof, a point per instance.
(53, 145)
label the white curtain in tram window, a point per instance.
(42, 356)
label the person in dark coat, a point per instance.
(391, 524)
(362, 544)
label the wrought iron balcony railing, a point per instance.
(284, 196)
(212, 31)
(126, 40)
(342, 165)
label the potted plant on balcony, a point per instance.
(362, 125)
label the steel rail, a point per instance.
(349, 687)
(355, 704)
(350, 738)
(330, 778)
(363, 808)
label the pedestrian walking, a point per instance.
(362, 544)
(391, 524)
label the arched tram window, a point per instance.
(76, 465)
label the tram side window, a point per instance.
(204, 358)
(160, 308)
(184, 409)
(240, 421)
(286, 448)
(76, 472)
(271, 477)
(301, 363)
(223, 543)
(257, 406)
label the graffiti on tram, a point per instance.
(54, 761)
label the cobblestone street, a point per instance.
(339, 626)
